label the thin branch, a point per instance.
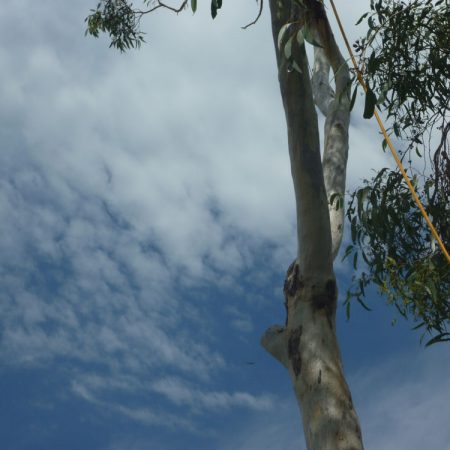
(322, 91)
(337, 109)
(163, 5)
(257, 17)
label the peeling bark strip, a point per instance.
(292, 281)
(292, 285)
(294, 350)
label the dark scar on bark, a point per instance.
(330, 287)
(292, 281)
(326, 300)
(319, 378)
(294, 351)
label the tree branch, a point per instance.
(274, 341)
(261, 2)
(313, 224)
(322, 91)
(337, 111)
(336, 147)
(160, 4)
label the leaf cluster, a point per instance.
(405, 57)
(392, 243)
(291, 37)
(122, 21)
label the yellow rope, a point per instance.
(389, 142)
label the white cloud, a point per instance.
(240, 320)
(402, 403)
(180, 393)
(126, 178)
(146, 416)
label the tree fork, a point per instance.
(307, 346)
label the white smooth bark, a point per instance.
(337, 122)
(307, 344)
(322, 91)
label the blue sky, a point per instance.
(147, 223)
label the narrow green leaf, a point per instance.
(288, 48)
(353, 229)
(347, 310)
(370, 103)
(281, 34)
(300, 38)
(355, 261)
(363, 304)
(372, 63)
(347, 252)
(421, 324)
(194, 5)
(309, 37)
(214, 8)
(353, 99)
(442, 337)
(362, 18)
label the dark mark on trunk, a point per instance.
(292, 282)
(294, 350)
(325, 301)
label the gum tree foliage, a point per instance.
(405, 57)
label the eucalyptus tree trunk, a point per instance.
(307, 345)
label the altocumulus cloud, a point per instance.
(129, 183)
(112, 207)
(178, 392)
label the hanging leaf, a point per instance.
(194, 5)
(353, 99)
(309, 37)
(361, 302)
(215, 5)
(288, 48)
(362, 18)
(281, 34)
(370, 103)
(442, 337)
(300, 38)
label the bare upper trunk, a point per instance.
(307, 344)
